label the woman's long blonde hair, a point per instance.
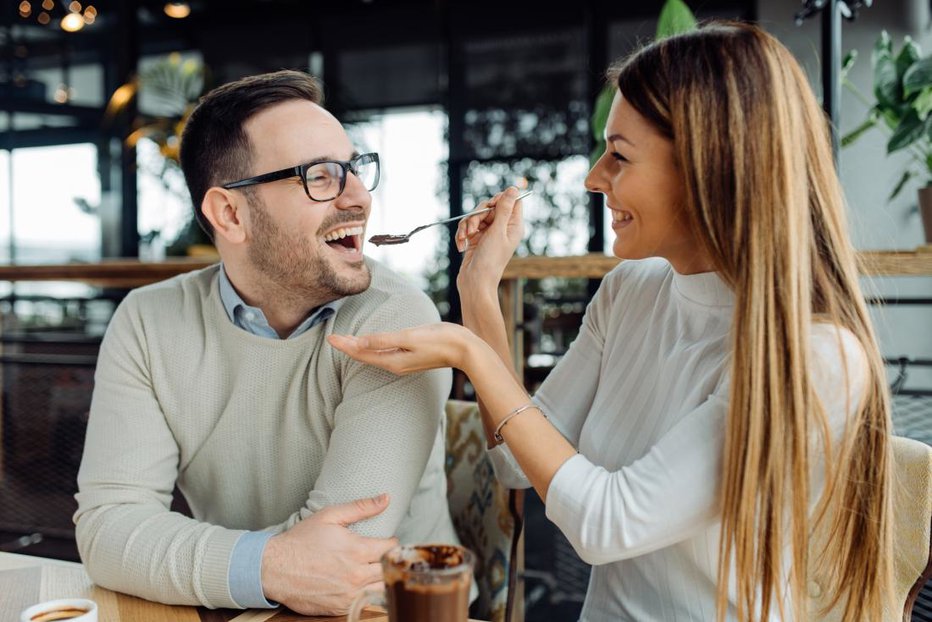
(762, 192)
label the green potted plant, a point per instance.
(172, 88)
(675, 17)
(901, 106)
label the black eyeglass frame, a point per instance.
(301, 171)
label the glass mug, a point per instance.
(71, 609)
(423, 583)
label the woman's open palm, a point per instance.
(430, 346)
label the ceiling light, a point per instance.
(178, 10)
(25, 9)
(43, 18)
(63, 94)
(72, 22)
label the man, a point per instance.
(221, 381)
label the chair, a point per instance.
(487, 516)
(912, 531)
(912, 519)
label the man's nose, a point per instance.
(354, 193)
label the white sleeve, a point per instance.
(672, 492)
(666, 496)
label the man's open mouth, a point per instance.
(345, 239)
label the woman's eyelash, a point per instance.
(619, 157)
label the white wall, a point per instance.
(867, 174)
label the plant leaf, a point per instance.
(923, 103)
(883, 45)
(675, 18)
(891, 117)
(848, 63)
(855, 134)
(603, 104)
(910, 129)
(170, 86)
(886, 85)
(917, 77)
(907, 175)
(907, 56)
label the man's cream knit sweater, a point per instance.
(258, 434)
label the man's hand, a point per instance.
(319, 566)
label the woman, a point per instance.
(725, 394)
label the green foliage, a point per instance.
(675, 18)
(902, 104)
(173, 86)
(603, 104)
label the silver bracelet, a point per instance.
(517, 411)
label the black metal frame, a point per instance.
(831, 12)
(302, 169)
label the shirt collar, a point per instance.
(253, 320)
(705, 288)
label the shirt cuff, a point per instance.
(506, 468)
(245, 573)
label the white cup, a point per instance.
(35, 613)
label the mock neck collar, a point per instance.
(704, 288)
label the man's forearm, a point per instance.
(147, 551)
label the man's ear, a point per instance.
(223, 209)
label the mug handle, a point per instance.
(362, 601)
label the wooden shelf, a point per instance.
(133, 273)
(896, 263)
(872, 263)
(118, 273)
(917, 262)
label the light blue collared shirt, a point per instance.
(245, 573)
(253, 320)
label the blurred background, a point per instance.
(459, 98)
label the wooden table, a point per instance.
(26, 580)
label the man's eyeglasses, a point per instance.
(323, 180)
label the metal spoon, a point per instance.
(386, 239)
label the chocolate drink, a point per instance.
(429, 586)
(65, 613)
(436, 603)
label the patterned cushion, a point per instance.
(480, 509)
(912, 519)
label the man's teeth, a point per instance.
(339, 234)
(621, 216)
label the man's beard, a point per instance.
(291, 262)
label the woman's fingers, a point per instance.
(469, 230)
(469, 225)
(505, 207)
(373, 350)
(376, 342)
(405, 351)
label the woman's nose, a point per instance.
(593, 181)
